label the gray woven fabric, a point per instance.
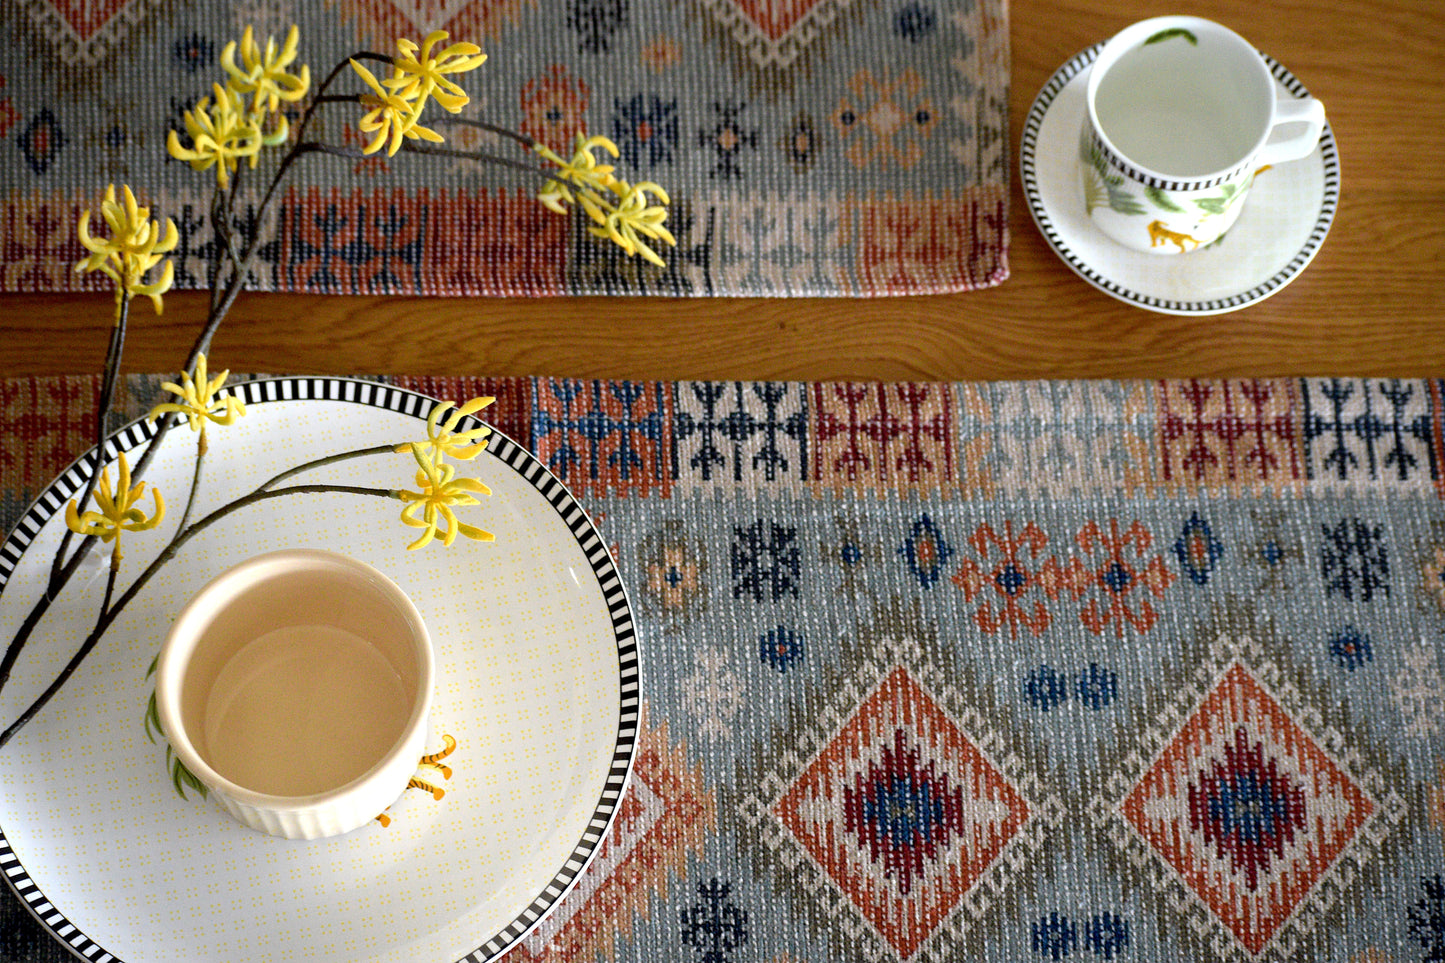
(823, 147)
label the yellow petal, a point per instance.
(72, 518)
(476, 404)
(123, 485)
(472, 485)
(467, 453)
(436, 413)
(159, 513)
(368, 77)
(288, 52)
(425, 539)
(428, 468)
(450, 535)
(473, 532)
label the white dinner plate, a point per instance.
(536, 680)
(1285, 218)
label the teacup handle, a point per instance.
(1287, 147)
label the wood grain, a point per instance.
(1370, 304)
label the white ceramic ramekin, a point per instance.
(296, 687)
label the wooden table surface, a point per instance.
(1371, 303)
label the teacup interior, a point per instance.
(301, 684)
(1186, 105)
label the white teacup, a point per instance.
(1182, 116)
(296, 687)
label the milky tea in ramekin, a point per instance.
(1183, 115)
(296, 687)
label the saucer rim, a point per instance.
(1075, 68)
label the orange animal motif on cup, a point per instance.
(1159, 234)
(431, 761)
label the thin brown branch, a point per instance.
(415, 148)
(110, 614)
(327, 460)
(528, 142)
(107, 397)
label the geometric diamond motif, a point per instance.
(84, 19)
(902, 811)
(85, 31)
(774, 32)
(1246, 808)
(41, 141)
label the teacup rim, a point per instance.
(1124, 39)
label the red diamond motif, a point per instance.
(775, 32)
(775, 17)
(86, 31)
(1246, 808)
(473, 20)
(904, 813)
(85, 17)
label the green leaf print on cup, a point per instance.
(1164, 35)
(181, 777)
(1218, 205)
(1161, 200)
(1232, 194)
(1102, 187)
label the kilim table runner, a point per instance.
(811, 147)
(1003, 672)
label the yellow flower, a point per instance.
(444, 439)
(264, 73)
(135, 246)
(632, 217)
(439, 491)
(419, 74)
(222, 133)
(117, 509)
(584, 172)
(393, 115)
(198, 399)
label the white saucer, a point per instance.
(1284, 222)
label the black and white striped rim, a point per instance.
(504, 449)
(1028, 150)
(1112, 158)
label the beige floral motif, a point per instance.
(555, 106)
(661, 54)
(1437, 802)
(1371, 955)
(673, 568)
(1432, 574)
(883, 120)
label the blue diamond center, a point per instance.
(903, 811)
(1011, 579)
(1117, 578)
(1247, 808)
